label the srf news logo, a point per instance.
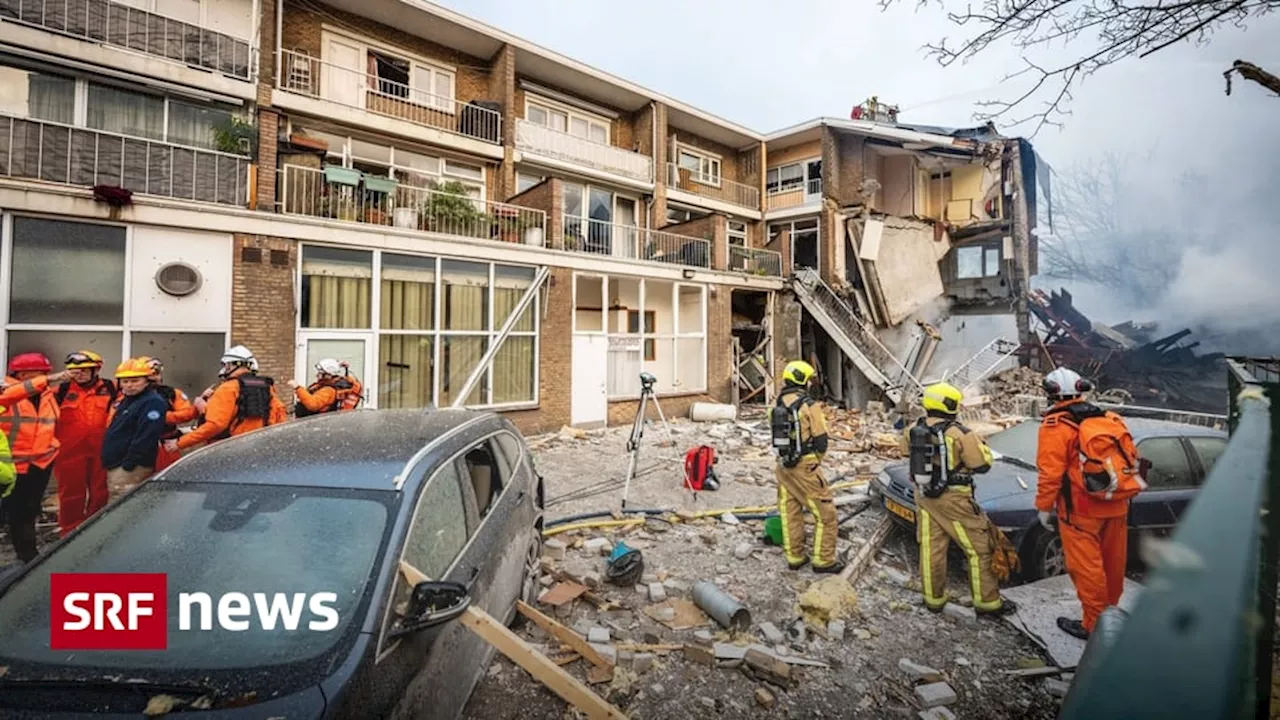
(130, 611)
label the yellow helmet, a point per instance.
(83, 360)
(133, 368)
(943, 397)
(798, 372)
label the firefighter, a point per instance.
(83, 406)
(133, 435)
(800, 437)
(945, 456)
(242, 402)
(181, 411)
(334, 390)
(1094, 531)
(29, 417)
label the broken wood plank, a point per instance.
(562, 593)
(867, 551)
(564, 635)
(597, 675)
(1038, 672)
(661, 648)
(563, 660)
(569, 688)
(602, 604)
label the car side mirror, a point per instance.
(430, 604)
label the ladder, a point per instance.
(982, 364)
(855, 337)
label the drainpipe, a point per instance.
(279, 39)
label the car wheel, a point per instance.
(1045, 557)
(531, 584)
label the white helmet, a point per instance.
(329, 366)
(238, 356)
(1064, 382)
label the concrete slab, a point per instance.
(1041, 603)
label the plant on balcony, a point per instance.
(114, 197)
(450, 210)
(236, 136)
(337, 206)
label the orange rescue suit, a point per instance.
(81, 479)
(181, 411)
(30, 426)
(221, 416)
(1095, 532)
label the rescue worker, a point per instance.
(181, 411)
(29, 417)
(83, 407)
(133, 435)
(334, 390)
(945, 508)
(800, 436)
(242, 402)
(1094, 531)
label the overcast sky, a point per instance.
(769, 64)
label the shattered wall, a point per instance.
(900, 258)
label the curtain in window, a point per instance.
(459, 356)
(51, 98)
(513, 370)
(466, 296)
(124, 112)
(407, 305)
(405, 371)
(337, 302)
(194, 126)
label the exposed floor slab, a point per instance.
(1041, 603)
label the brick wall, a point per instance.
(830, 238)
(658, 213)
(719, 342)
(555, 356)
(548, 197)
(502, 88)
(712, 228)
(795, 153)
(302, 33)
(622, 130)
(786, 329)
(268, 131)
(843, 167)
(781, 245)
(730, 167)
(262, 303)
(644, 130)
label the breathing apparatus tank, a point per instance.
(928, 458)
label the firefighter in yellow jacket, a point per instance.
(944, 457)
(800, 439)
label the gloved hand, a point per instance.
(1046, 520)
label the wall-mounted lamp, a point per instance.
(688, 273)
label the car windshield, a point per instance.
(214, 538)
(1018, 441)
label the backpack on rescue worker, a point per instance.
(928, 456)
(1110, 464)
(784, 424)
(1004, 556)
(699, 470)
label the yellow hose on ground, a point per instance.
(591, 524)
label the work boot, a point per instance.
(1074, 628)
(835, 567)
(797, 566)
(1007, 607)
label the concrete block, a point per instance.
(835, 630)
(704, 638)
(701, 655)
(657, 593)
(742, 551)
(554, 549)
(935, 694)
(599, 545)
(938, 713)
(1057, 688)
(916, 671)
(772, 633)
(606, 651)
(642, 662)
(598, 635)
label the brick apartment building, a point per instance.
(384, 182)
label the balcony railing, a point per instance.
(80, 156)
(794, 195)
(624, 241)
(146, 32)
(718, 188)
(316, 78)
(544, 141)
(306, 191)
(755, 261)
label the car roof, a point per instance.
(364, 449)
(1149, 427)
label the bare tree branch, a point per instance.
(1109, 30)
(1249, 71)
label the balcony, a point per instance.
(755, 261)
(790, 196)
(125, 27)
(716, 188)
(315, 78)
(538, 140)
(347, 195)
(79, 156)
(624, 241)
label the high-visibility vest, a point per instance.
(29, 426)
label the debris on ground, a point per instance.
(828, 599)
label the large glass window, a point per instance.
(1169, 465)
(565, 119)
(654, 326)
(28, 94)
(439, 530)
(125, 112)
(336, 288)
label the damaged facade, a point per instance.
(457, 212)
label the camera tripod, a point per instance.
(647, 382)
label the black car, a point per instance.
(332, 503)
(1181, 456)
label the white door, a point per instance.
(356, 351)
(590, 405)
(344, 72)
(625, 234)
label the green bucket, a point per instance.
(773, 529)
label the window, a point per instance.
(512, 452)
(439, 529)
(125, 112)
(676, 214)
(525, 182)
(336, 287)
(650, 323)
(1208, 449)
(408, 167)
(1169, 465)
(702, 166)
(485, 475)
(390, 74)
(38, 96)
(653, 326)
(737, 233)
(67, 292)
(196, 125)
(977, 261)
(806, 176)
(567, 120)
(803, 236)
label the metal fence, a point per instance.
(755, 261)
(128, 27)
(717, 187)
(597, 237)
(1198, 644)
(79, 156)
(1034, 406)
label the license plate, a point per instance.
(901, 511)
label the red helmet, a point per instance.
(23, 362)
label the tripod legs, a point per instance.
(637, 433)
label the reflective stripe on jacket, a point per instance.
(30, 427)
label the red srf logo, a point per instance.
(108, 611)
